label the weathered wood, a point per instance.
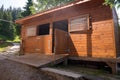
(61, 41)
(113, 67)
(39, 60)
(80, 23)
(31, 31)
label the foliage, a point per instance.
(17, 39)
(47, 4)
(2, 37)
(29, 8)
(112, 3)
(8, 30)
(3, 46)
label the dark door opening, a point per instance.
(43, 29)
(62, 25)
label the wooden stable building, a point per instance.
(84, 29)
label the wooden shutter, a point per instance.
(80, 23)
(31, 31)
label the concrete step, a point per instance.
(58, 74)
(65, 75)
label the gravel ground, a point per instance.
(11, 50)
(10, 70)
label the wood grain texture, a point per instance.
(61, 41)
(97, 42)
(38, 44)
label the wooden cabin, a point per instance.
(85, 29)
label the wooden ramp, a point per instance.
(39, 60)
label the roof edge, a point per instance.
(20, 21)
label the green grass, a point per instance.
(17, 39)
(2, 37)
(81, 69)
(100, 73)
(7, 42)
(3, 46)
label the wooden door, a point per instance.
(44, 44)
(61, 41)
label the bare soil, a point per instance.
(10, 70)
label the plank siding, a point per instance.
(97, 42)
(40, 44)
(100, 42)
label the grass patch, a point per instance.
(78, 68)
(6, 42)
(3, 46)
(81, 69)
(17, 39)
(2, 37)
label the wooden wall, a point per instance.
(98, 42)
(36, 44)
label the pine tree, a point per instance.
(9, 30)
(1, 11)
(47, 4)
(29, 8)
(16, 14)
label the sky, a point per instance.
(13, 3)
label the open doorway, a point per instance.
(43, 29)
(61, 25)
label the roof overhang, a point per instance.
(22, 20)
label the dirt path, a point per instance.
(11, 50)
(10, 70)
